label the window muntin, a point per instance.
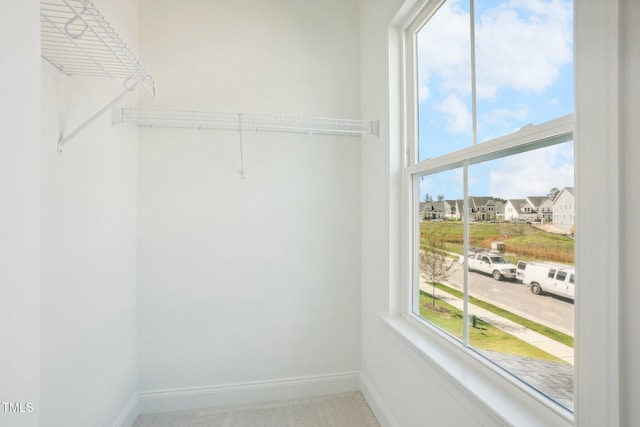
(449, 164)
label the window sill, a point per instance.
(507, 400)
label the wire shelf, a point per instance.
(78, 41)
(245, 122)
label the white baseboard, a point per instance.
(379, 409)
(246, 393)
(129, 413)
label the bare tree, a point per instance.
(435, 264)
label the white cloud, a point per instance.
(499, 121)
(520, 44)
(457, 115)
(532, 173)
(444, 51)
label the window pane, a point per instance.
(530, 331)
(438, 249)
(444, 81)
(524, 64)
(523, 70)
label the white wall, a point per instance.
(88, 292)
(247, 282)
(19, 211)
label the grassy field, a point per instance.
(529, 324)
(522, 241)
(483, 336)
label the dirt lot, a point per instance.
(549, 228)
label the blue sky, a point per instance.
(524, 75)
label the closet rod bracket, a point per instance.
(240, 130)
(375, 128)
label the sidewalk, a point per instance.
(552, 347)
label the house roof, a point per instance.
(432, 206)
(480, 201)
(569, 190)
(518, 204)
(537, 201)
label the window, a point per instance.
(493, 119)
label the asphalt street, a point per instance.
(548, 310)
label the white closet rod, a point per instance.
(245, 122)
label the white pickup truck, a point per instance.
(491, 263)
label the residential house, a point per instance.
(518, 210)
(459, 208)
(432, 210)
(531, 209)
(542, 205)
(485, 208)
(451, 209)
(564, 208)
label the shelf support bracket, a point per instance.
(64, 139)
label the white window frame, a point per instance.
(596, 61)
(552, 132)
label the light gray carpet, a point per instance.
(338, 410)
